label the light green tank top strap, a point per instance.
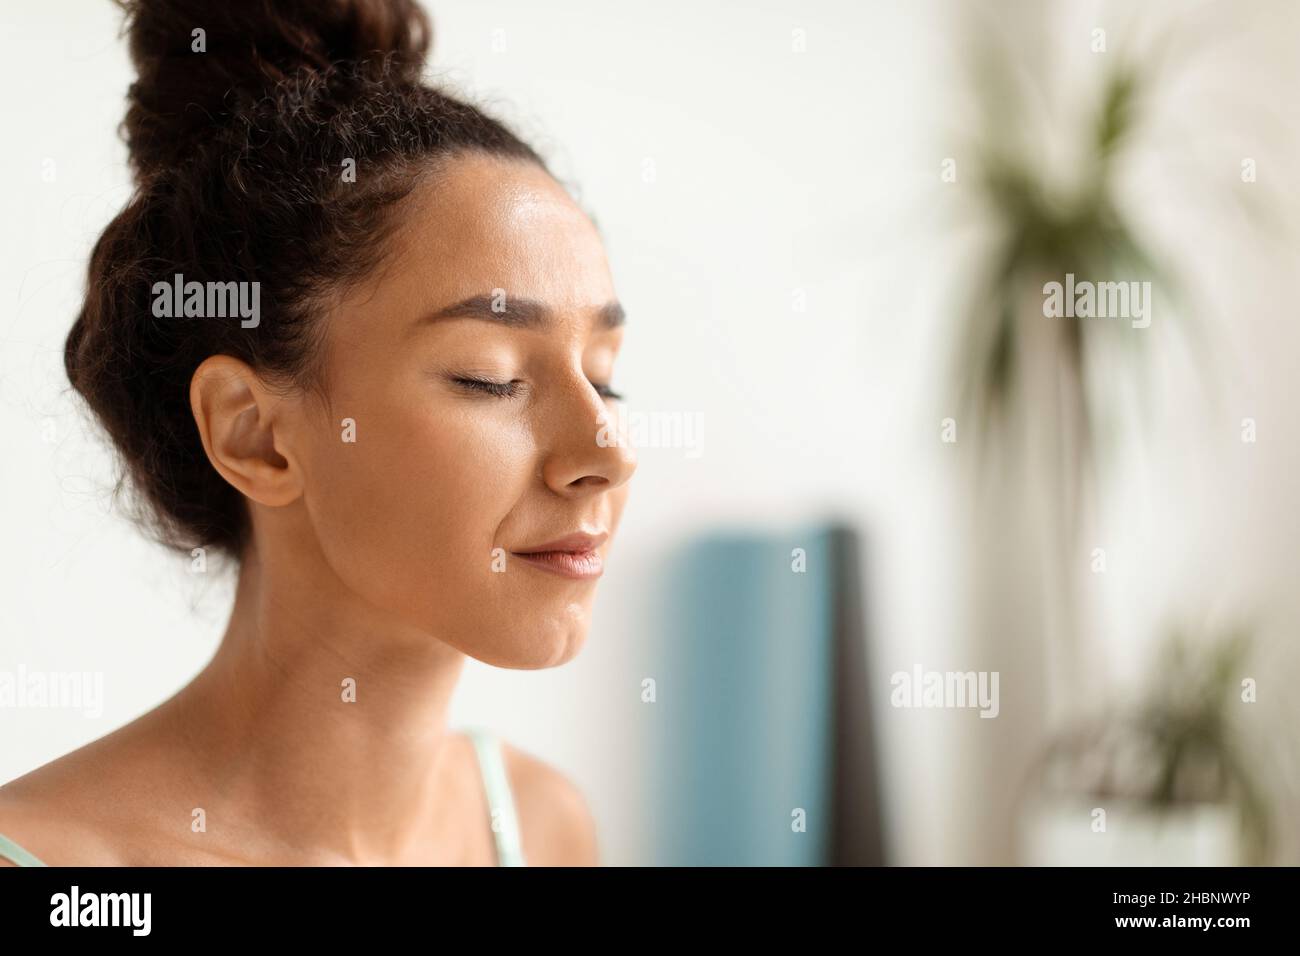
(505, 822)
(12, 851)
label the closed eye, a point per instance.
(499, 389)
(508, 389)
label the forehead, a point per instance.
(483, 223)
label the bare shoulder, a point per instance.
(555, 820)
(31, 826)
(84, 808)
(45, 813)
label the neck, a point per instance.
(321, 722)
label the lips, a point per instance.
(575, 556)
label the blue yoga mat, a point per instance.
(745, 684)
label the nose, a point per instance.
(589, 452)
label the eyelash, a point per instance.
(508, 389)
(498, 389)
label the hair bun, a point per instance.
(185, 88)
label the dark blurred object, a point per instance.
(857, 837)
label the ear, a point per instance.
(238, 417)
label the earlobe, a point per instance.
(238, 419)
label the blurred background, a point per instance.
(912, 572)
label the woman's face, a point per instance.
(476, 366)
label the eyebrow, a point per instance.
(520, 313)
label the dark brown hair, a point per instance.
(238, 155)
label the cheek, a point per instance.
(617, 502)
(409, 513)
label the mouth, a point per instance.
(575, 556)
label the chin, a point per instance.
(526, 640)
(559, 642)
